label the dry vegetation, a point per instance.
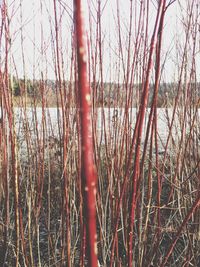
(148, 189)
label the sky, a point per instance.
(32, 21)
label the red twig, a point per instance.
(190, 213)
(88, 168)
(141, 114)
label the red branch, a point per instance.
(191, 212)
(89, 177)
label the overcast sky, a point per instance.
(27, 33)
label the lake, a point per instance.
(113, 121)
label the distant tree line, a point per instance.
(22, 86)
(109, 94)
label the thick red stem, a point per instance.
(89, 177)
